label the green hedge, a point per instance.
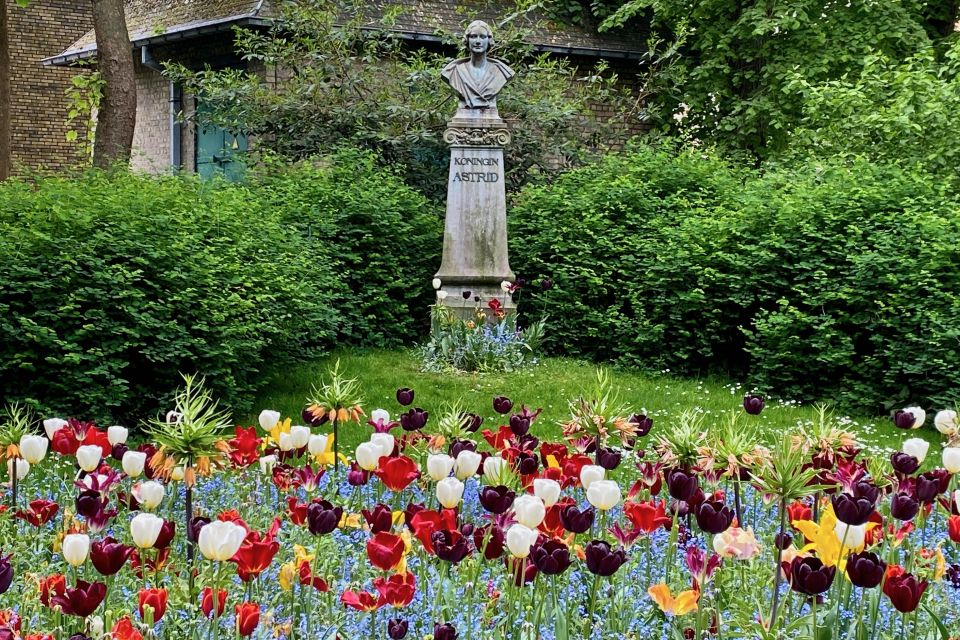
(826, 281)
(112, 284)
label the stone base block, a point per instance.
(465, 300)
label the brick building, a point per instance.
(53, 36)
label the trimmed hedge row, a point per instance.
(832, 282)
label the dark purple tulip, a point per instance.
(6, 574)
(527, 463)
(865, 569)
(546, 284)
(682, 485)
(903, 506)
(357, 477)
(79, 636)
(713, 516)
(552, 557)
(451, 546)
(576, 521)
(197, 523)
(867, 491)
(809, 576)
(405, 396)
(928, 487)
(445, 631)
(520, 425)
(904, 463)
(489, 540)
(753, 404)
(472, 422)
(380, 518)
(502, 405)
(644, 424)
(783, 541)
(466, 294)
(903, 419)
(167, 531)
(118, 450)
(314, 420)
(109, 556)
(88, 503)
(461, 445)
(609, 459)
(6, 633)
(414, 419)
(602, 560)
(851, 510)
(323, 517)
(397, 628)
(497, 499)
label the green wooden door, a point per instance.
(220, 152)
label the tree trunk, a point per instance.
(117, 114)
(5, 94)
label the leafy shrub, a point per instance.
(111, 284)
(383, 238)
(456, 344)
(833, 281)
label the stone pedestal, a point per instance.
(475, 233)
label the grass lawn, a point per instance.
(548, 385)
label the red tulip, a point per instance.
(245, 447)
(81, 600)
(154, 598)
(248, 617)
(385, 550)
(425, 522)
(256, 554)
(52, 586)
(109, 556)
(65, 442)
(953, 528)
(206, 602)
(397, 473)
(361, 601)
(398, 590)
(39, 513)
(296, 511)
(903, 589)
(647, 516)
(124, 630)
(308, 579)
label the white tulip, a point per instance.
(33, 448)
(439, 466)
(449, 492)
(547, 490)
(150, 494)
(221, 540)
(442, 295)
(466, 464)
(317, 444)
(604, 494)
(368, 456)
(96, 626)
(145, 529)
(946, 422)
(385, 441)
(529, 510)
(380, 415)
(76, 548)
(493, 469)
(300, 435)
(951, 459)
(267, 463)
(916, 447)
(177, 473)
(133, 463)
(520, 539)
(117, 434)
(23, 467)
(505, 286)
(919, 416)
(436, 283)
(268, 419)
(52, 425)
(89, 456)
(590, 473)
(851, 536)
(287, 442)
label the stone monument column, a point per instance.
(475, 232)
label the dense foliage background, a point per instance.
(111, 284)
(820, 281)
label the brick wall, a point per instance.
(151, 138)
(39, 107)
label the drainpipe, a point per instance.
(175, 100)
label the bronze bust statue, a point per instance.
(477, 79)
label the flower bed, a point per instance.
(624, 529)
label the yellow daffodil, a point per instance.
(288, 575)
(685, 602)
(352, 520)
(823, 539)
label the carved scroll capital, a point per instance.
(477, 136)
